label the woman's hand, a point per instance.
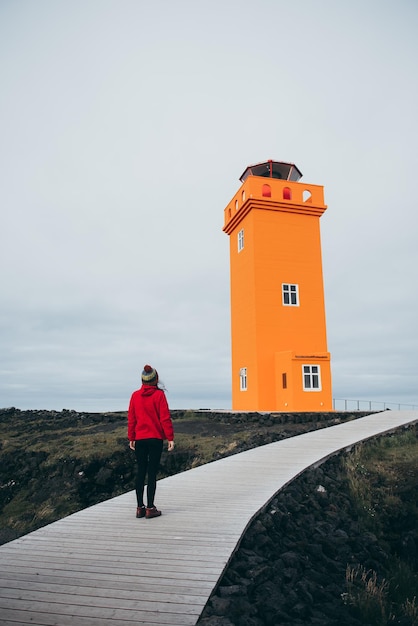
(132, 445)
(170, 446)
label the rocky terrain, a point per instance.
(311, 557)
(53, 463)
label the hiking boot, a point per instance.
(140, 511)
(152, 511)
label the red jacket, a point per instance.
(149, 415)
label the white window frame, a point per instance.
(290, 292)
(241, 240)
(311, 377)
(243, 379)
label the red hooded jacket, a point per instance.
(149, 415)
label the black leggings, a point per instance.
(148, 455)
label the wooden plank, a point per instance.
(138, 573)
(192, 581)
(102, 581)
(143, 602)
(180, 553)
(20, 597)
(119, 545)
(38, 614)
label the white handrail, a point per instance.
(343, 404)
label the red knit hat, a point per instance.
(149, 375)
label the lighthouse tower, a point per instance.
(280, 360)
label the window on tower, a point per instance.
(243, 379)
(266, 191)
(311, 377)
(240, 240)
(290, 294)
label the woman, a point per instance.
(149, 424)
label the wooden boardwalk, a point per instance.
(103, 567)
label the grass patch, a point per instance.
(383, 483)
(367, 594)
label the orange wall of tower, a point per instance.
(281, 245)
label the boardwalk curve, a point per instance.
(103, 567)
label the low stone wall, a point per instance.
(269, 419)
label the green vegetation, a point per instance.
(383, 479)
(49, 465)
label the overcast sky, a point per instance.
(124, 128)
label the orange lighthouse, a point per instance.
(280, 360)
